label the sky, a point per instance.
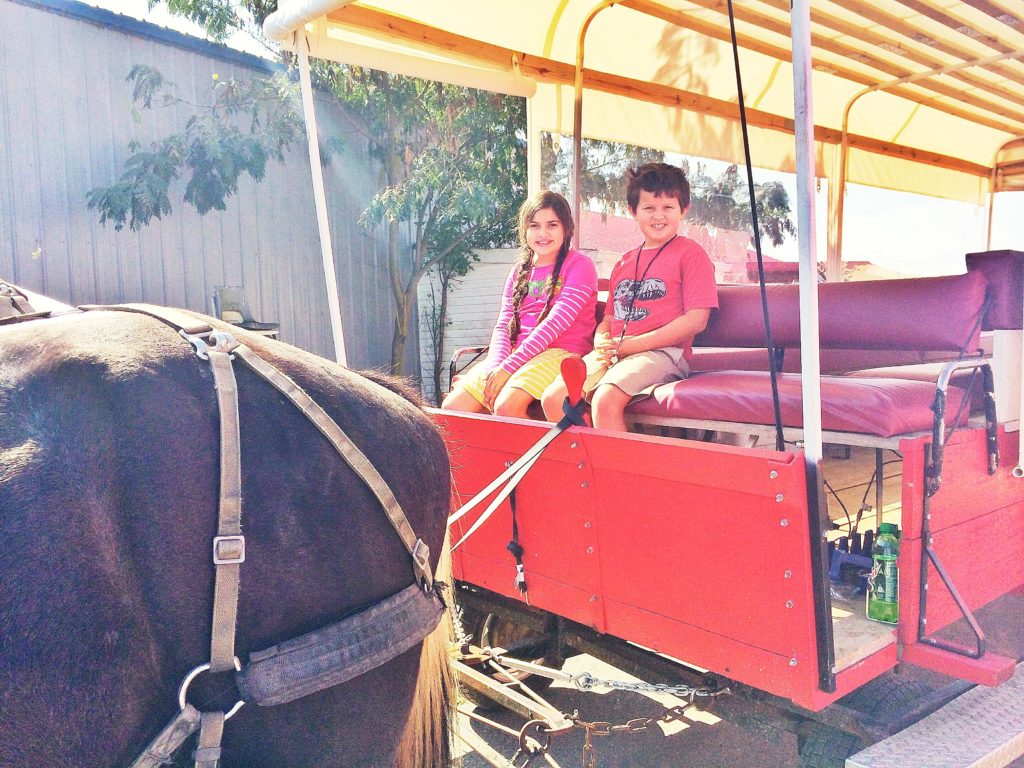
(900, 232)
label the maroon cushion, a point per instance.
(831, 360)
(962, 378)
(924, 313)
(1005, 273)
(873, 406)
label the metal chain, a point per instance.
(586, 681)
(461, 637)
(535, 736)
(588, 758)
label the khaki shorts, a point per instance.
(637, 374)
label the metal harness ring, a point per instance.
(183, 690)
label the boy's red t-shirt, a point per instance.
(650, 287)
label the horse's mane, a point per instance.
(400, 385)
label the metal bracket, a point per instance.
(214, 341)
(421, 563)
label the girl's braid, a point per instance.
(522, 284)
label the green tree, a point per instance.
(452, 160)
(244, 125)
(722, 201)
(453, 163)
(605, 165)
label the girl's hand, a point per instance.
(496, 379)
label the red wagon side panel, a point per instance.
(977, 530)
(695, 550)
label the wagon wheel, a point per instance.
(885, 698)
(496, 631)
(822, 746)
(879, 701)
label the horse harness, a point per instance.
(316, 660)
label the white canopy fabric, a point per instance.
(660, 73)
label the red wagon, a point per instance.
(680, 554)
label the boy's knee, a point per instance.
(609, 402)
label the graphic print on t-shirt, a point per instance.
(626, 307)
(537, 288)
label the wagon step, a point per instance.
(982, 728)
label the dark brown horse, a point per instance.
(109, 454)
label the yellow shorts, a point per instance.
(533, 377)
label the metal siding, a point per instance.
(66, 120)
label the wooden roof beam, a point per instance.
(551, 71)
(998, 112)
(910, 53)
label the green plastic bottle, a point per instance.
(884, 579)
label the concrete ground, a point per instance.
(701, 740)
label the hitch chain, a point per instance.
(601, 728)
(535, 735)
(586, 681)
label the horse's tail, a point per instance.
(427, 738)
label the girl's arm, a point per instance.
(579, 284)
(501, 345)
(675, 333)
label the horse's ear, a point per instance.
(397, 384)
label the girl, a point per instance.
(547, 314)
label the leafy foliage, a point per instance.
(724, 202)
(719, 202)
(453, 160)
(605, 165)
(245, 125)
(453, 166)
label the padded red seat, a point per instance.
(873, 406)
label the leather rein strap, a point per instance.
(318, 659)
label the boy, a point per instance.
(661, 295)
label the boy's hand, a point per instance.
(605, 347)
(626, 347)
(496, 379)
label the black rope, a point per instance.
(573, 416)
(780, 444)
(516, 548)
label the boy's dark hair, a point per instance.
(660, 179)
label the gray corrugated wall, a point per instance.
(65, 124)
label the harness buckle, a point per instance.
(421, 564)
(212, 341)
(228, 550)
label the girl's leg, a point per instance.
(512, 401)
(460, 400)
(609, 407)
(553, 398)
